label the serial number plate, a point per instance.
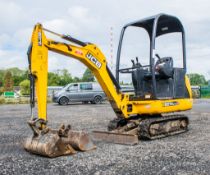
(174, 103)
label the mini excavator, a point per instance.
(161, 91)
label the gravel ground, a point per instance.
(188, 153)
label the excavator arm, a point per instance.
(53, 143)
(87, 53)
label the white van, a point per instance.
(80, 92)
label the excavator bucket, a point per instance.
(54, 143)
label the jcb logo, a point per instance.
(93, 60)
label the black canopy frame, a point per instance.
(155, 26)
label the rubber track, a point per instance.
(145, 125)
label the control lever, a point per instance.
(157, 56)
(137, 60)
(133, 62)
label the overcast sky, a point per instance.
(90, 20)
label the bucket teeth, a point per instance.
(52, 144)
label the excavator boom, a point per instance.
(87, 53)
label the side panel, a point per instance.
(156, 106)
(85, 92)
(73, 92)
(180, 88)
(187, 82)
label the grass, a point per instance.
(20, 100)
(2, 100)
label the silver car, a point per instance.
(80, 92)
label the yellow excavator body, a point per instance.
(137, 117)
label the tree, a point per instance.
(88, 76)
(1, 78)
(8, 81)
(53, 79)
(61, 78)
(197, 79)
(76, 79)
(25, 87)
(1, 90)
(18, 75)
(66, 77)
(19, 78)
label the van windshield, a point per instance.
(73, 87)
(65, 87)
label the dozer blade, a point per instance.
(114, 137)
(53, 144)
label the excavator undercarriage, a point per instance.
(148, 128)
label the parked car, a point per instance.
(80, 92)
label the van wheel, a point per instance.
(63, 101)
(97, 100)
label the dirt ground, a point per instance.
(188, 153)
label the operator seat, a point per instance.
(138, 78)
(164, 68)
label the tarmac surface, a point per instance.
(187, 153)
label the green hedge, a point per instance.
(205, 91)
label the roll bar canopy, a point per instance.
(155, 26)
(166, 24)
